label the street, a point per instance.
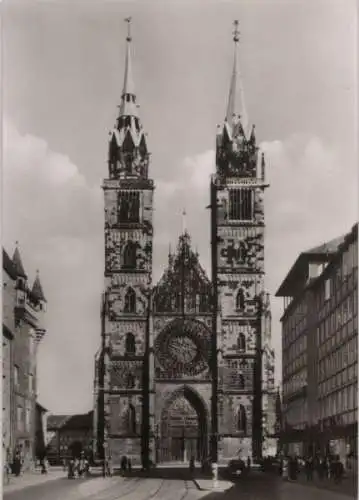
(257, 487)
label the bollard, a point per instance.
(215, 475)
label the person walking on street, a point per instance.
(191, 465)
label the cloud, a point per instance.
(58, 219)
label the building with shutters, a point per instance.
(185, 366)
(24, 309)
(320, 352)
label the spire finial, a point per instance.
(184, 228)
(128, 21)
(236, 32)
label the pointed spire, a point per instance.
(252, 138)
(263, 167)
(37, 290)
(236, 109)
(184, 225)
(18, 262)
(128, 105)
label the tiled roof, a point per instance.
(79, 421)
(328, 247)
(55, 422)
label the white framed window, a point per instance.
(16, 375)
(28, 419)
(19, 420)
(327, 289)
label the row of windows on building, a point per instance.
(297, 414)
(341, 337)
(23, 418)
(295, 364)
(348, 375)
(30, 379)
(293, 331)
(296, 382)
(337, 320)
(334, 286)
(338, 402)
(296, 348)
(337, 360)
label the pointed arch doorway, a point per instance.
(183, 428)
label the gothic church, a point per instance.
(164, 345)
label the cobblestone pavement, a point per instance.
(110, 489)
(257, 487)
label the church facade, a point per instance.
(185, 361)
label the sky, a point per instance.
(63, 66)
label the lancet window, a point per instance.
(130, 301)
(241, 204)
(241, 419)
(130, 345)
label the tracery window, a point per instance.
(130, 301)
(130, 343)
(240, 299)
(129, 255)
(130, 381)
(241, 419)
(241, 342)
(241, 204)
(129, 206)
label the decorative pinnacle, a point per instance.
(236, 32)
(128, 21)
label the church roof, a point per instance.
(183, 282)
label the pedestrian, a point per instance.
(17, 463)
(123, 465)
(308, 466)
(129, 465)
(191, 465)
(248, 463)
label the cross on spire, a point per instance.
(128, 21)
(236, 32)
(184, 228)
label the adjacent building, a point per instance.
(185, 366)
(69, 435)
(24, 309)
(320, 349)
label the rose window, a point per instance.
(181, 349)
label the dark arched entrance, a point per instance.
(183, 428)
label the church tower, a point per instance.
(128, 195)
(237, 190)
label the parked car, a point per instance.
(235, 467)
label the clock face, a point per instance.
(181, 351)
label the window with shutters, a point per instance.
(241, 204)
